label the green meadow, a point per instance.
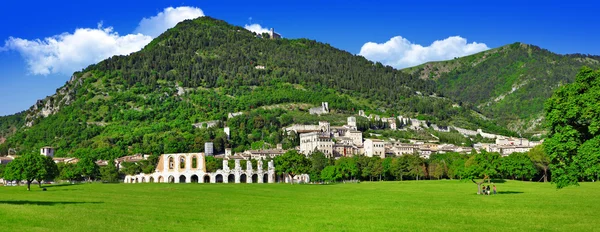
(368, 206)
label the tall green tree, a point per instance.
(482, 166)
(573, 119)
(518, 165)
(88, 168)
(318, 163)
(539, 157)
(109, 173)
(28, 167)
(292, 163)
(49, 172)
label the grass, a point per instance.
(376, 206)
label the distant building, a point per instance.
(273, 34)
(309, 142)
(227, 132)
(47, 151)
(324, 109)
(352, 122)
(374, 148)
(209, 148)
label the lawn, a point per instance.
(368, 206)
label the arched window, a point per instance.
(171, 163)
(182, 162)
(195, 162)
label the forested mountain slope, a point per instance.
(509, 84)
(203, 69)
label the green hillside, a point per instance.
(509, 83)
(203, 69)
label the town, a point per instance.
(333, 141)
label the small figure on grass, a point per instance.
(487, 190)
(495, 190)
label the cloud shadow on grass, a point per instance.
(48, 203)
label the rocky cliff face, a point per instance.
(52, 104)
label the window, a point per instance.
(171, 162)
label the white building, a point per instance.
(47, 151)
(309, 142)
(374, 148)
(191, 168)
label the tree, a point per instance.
(573, 119)
(49, 171)
(88, 168)
(416, 165)
(539, 157)
(482, 166)
(318, 163)
(329, 173)
(292, 163)
(28, 167)
(69, 171)
(109, 173)
(518, 165)
(399, 167)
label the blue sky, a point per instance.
(394, 32)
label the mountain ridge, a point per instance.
(202, 69)
(508, 83)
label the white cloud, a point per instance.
(398, 52)
(256, 28)
(156, 25)
(69, 52)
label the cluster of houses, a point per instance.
(333, 141)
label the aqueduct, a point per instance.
(191, 168)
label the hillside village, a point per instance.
(333, 141)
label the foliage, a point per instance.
(30, 167)
(292, 163)
(109, 173)
(88, 168)
(518, 165)
(573, 118)
(509, 83)
(149, 101)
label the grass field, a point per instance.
(375, 206)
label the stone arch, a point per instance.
(151, 180)
(266, 178)
(219, 178)
(243, 178)
(171, 162)
(142, 180)
(195, 162)
(161, 179)
(206, 179)
(254, 178)
(231, 178)
(136, 180)
(182, 179)
(171, 179)
(194, 178)
(181, 162)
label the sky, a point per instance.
(43, 42)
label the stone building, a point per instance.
(323, 109)
(309, 142)
(191, 168)
(374, 148)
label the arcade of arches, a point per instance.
(191, 168)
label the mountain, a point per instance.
(508, 83)
(155, 101)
